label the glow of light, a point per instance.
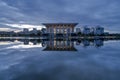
(21, 26)
(22, 46)
(6, 29)
(5, 43)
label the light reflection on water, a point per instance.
(29, 60)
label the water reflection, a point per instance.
(59, 45)
(26, 59)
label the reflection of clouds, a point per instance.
(6, 43)
(55, 66)
(91, 64)
(23, 46)
(6, 66)
(11, 59)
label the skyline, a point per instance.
(85, 12)
(30, 28)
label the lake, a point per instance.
(59, 60)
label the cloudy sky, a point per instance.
(17, 14)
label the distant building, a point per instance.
(86, 30)
(106, 33)
(78, 30)
(92, 30)
(25, 31)
(6, 33)
(98, 30)
(43, 30)
(34, 31)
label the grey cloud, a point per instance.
(82, 11)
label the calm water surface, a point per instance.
(30, 62)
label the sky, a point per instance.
(17, 14)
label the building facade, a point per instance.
(78, 30)
(34, 31)
(86, 30)
(59, 29)
(98, 30)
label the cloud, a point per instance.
(9, 14)
(21, 26)
(91, 12)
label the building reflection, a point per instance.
(59, 45)
(88, 42)
(98, 43)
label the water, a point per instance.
(23, 60)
